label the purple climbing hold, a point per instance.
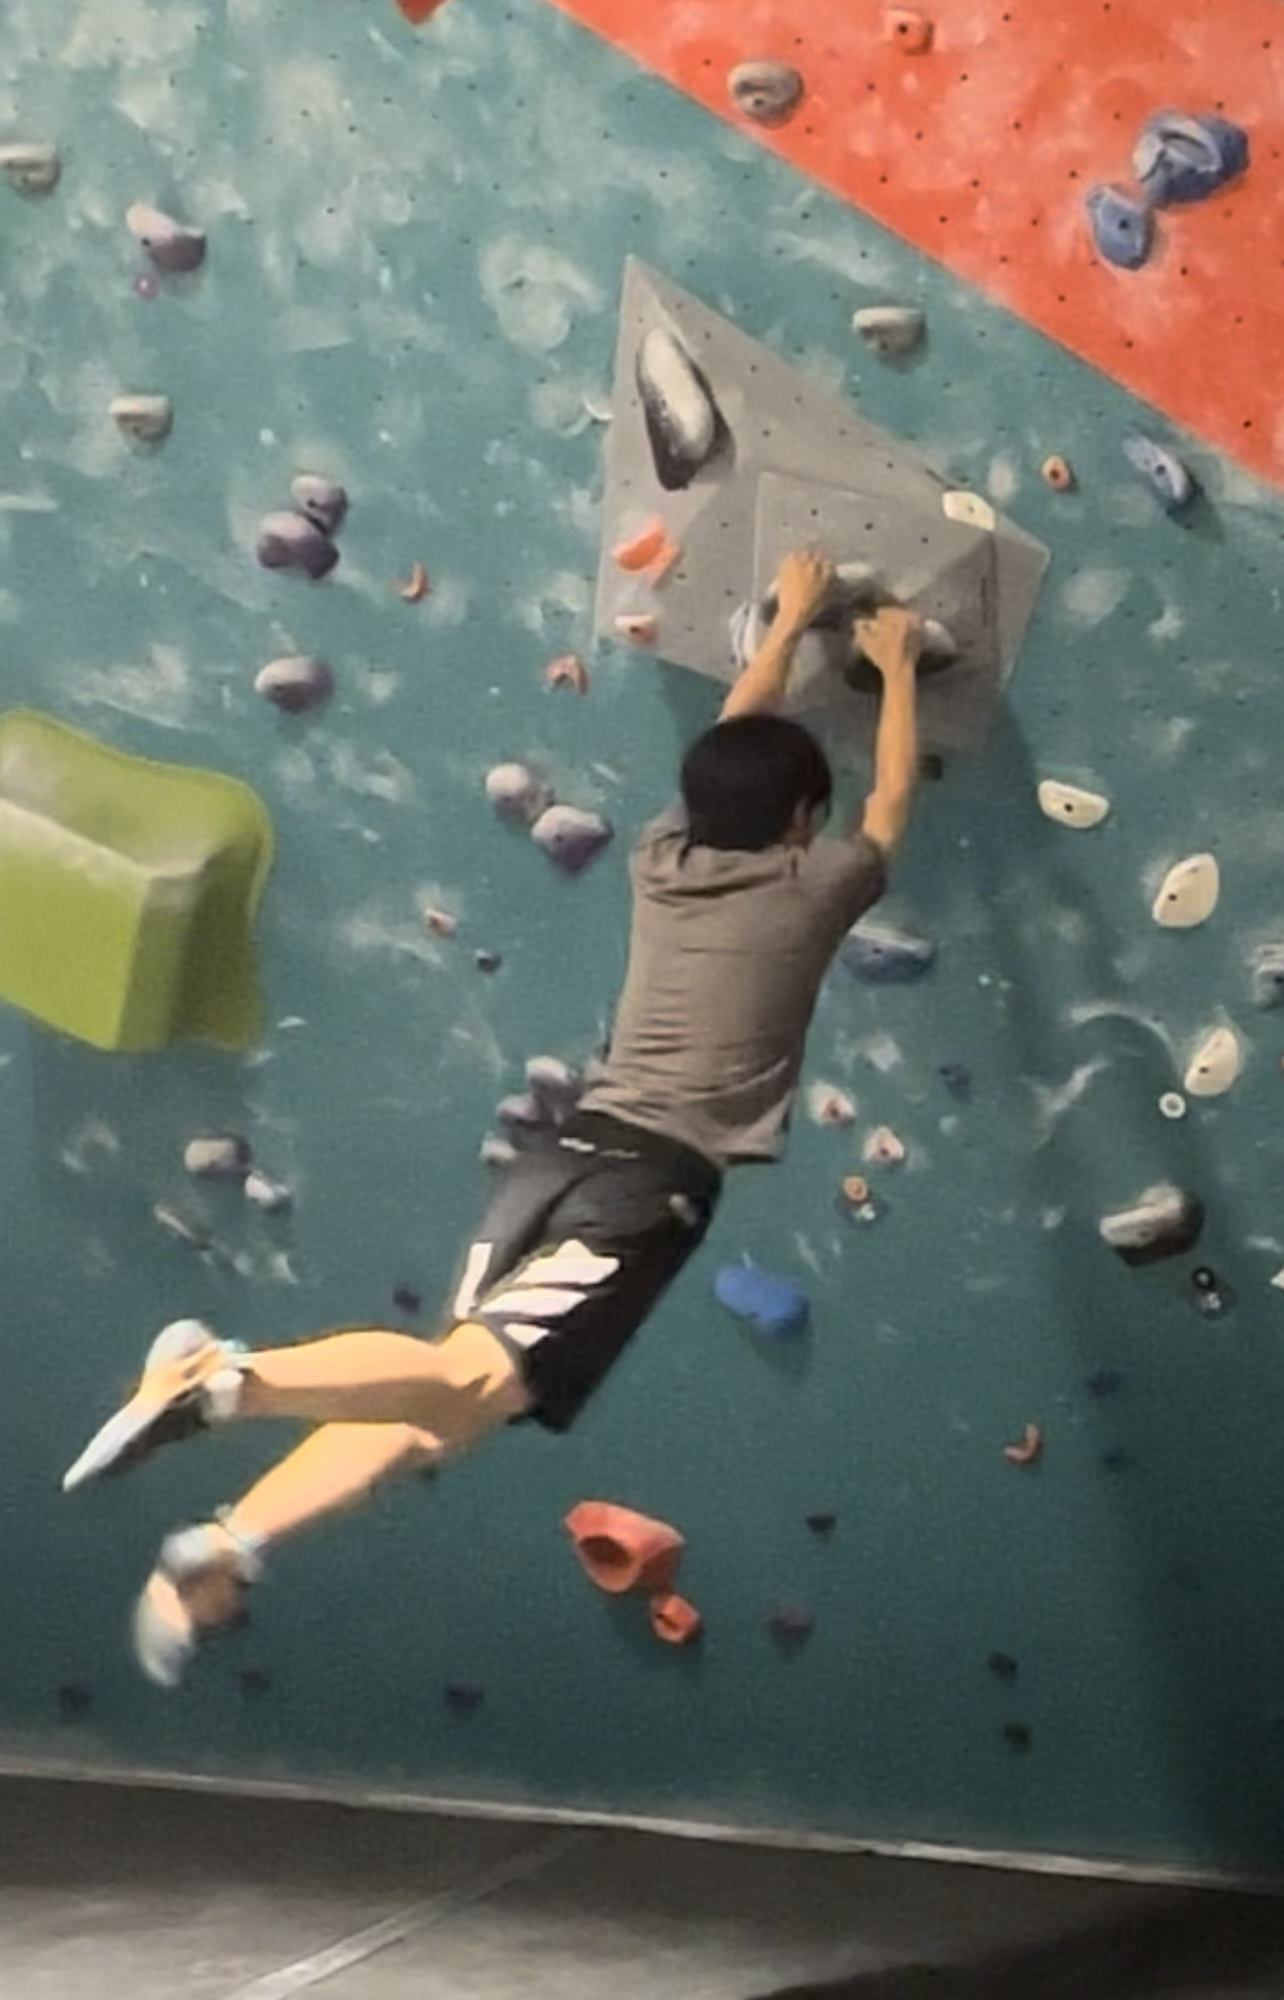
(289, 542)
(823, 1522)
(1122, 229)
(406, 1299)
(1168, 479)
(464, 1697)
(774, 1305)
(790, 1624)
(1003, 1667)
(172, 246)
(1180, 158)
(571, 838)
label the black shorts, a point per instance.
(586, 1230)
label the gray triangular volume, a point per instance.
(742, 456)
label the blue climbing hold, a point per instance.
(1122, 229)
(882, 956)
(1181, 159)
(957, 1078)
(774, 1305)
(1162, 470)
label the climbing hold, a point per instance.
(856, 1190)
(496, 1152)
(516, 793)
(571, 838)
(273, 1197)
(639, 628)
(1122, 229)
(463, 1697)
(1018, 1735)
(1267, 965)
(822, 1523)
(829, 1105)
(1003, 1666)
(908, 30)
(889, 330)
(253, 1683)
(172, 246)
(957, 1078)
(1168, 479)
(675, 1620)
(684, 425)
(1070, 806)
(1166, 1222)
(1172, 1105)
(774, 1305)
(487, 961)
(1058, 473)
(184, 1228)
(523, 1110)
(320, 500)
(75, 1698)
(767, 92)
(640, 551)
(556, 1085)
(568, 670)
(1105, 1382)
(790, 1624)
(1215, 1064)
(441, 923)
(224, 1156)
(295, 684)
(30, 167)
(1212, 1298)
(881, 956)
(1030, 1449)
(416, 586)
(1183, 159)
(292, 542)
(142, 419)
(620, 1550)
(1116, 1459)
(406, 1299)
(882, 1148)
(1188, 894)
(969, 510)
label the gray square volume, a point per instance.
(802, 469)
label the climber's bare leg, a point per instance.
(455, 1388)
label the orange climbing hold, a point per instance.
(652, 550)
(568, 670)
(1030, 1449)
(419, 11)
(621, 1550)
(910, 31)
(674, 1620)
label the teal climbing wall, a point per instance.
(415, 252)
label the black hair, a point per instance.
(744, 779)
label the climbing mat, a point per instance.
(415, 243)
(982, 148)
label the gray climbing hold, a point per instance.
(522, 1112)
(172, 246)
(767, 92)
(1122, 229)
(1267, 968)
(272, 1196)
(496, 1152)
(30, 167)
(296, 683)
(882, 956)
(1166, 1222)
(556, 1085)
(516, 793)
(571, 838)
(322, 501)
(142, 419)
(684, 425)
(222, 1156)
(1168, 479)
(1184, 159)
(890, 330)
(290, 542)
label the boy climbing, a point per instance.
(738, 908)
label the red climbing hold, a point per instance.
(908, 30)
(419, 11)
(674, 1620)
(621, 1550)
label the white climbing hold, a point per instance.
(30, 167)
(883, 1148)
(1215, 1064)
(145, 419)
(890, 330)
(969, 510)
(516, 793)
(827, 1104)
(1278, 1281)
(272, 1196)
(171, 245)
(1172, 1104)
(1188, 894)
(1071, 806)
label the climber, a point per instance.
(738, 908)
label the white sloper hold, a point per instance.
(1188, 894)
(516, 793)
(1071, 806)
(1215, 1064)
(30, 166)
(1165, 1222)
(969, 510)
(144, 419)
(890, 330)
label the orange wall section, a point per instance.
(980, 153)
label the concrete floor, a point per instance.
(173, 1896)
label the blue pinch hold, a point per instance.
(883, 956)
(1168, 479)
(1180, 158)
(774, 1305)
(1122, 229)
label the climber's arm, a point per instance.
(801, 588)
(891, 641)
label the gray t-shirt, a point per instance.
(726, 958)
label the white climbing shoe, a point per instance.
(190, 1379)
(197, 1588)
